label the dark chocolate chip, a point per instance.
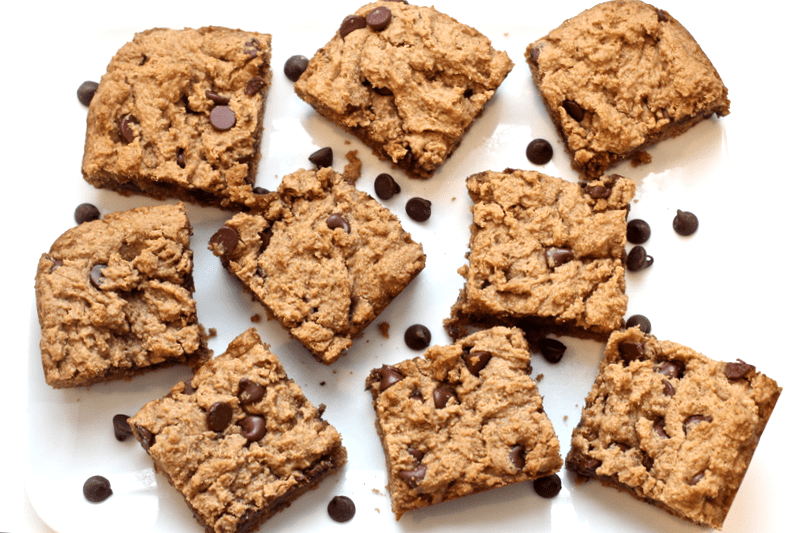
(260, 190)
(685, 223)
(225, 239)
(671, 369)
(253, 427)
(122, 430)
(416, 454)
(125, 130)
(295, 66)
(413, 477)
(547, 486)
(693, 420)
(662, 17)
(341, 509)
(97, 489)
(250, 391)
(386, 186)
(219, 416)
(573, 110)
(639, 320)
(86, 92)
(187, 387)
(145, 437)
(638, 231)
(696, 478)
(416, 395)
(379, 18)
(86, 213)
(539, 152)
(476, 361)
(255, 85)
(558, 256)
(587, 466)
(222, 118)
(638, 259)
(322, 157)
(252, 47)
(517, 456)
(350, 24)
(417, 337)
(659, 426)
(56, 263)
(96, 275)
(217, 99)
(389, 376)
(597, 192)
(419, 209)
(338, 221)
(551, 349)
(180, 158)
(669, 390)
(631, 351)
(442, 394)
(738, 370)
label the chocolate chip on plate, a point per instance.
(350, 24)
(322, 157)
(379, 18)
(225, 239)
(419, 209)
(551, 349)
(86, 213)
(539, 152)
(417, 337)
(547, 486)
(638, 259)
(219, 416)
(86, 92)
(97, 489)
(341, 508)
(386, 186)
(222, 118)
(638, 231)
(639, 320)
(295, 66)
(685, 223)
(122, 430)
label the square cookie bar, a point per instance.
(325, 259)
(406, 80)
(240, 441)
(620, 77)
(545, 254)
(114, 298)
(671, 426)
(464, 419)
(179, 114)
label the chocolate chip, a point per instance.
(86, 213)
(418, 209)
(696, 478)
(685, 223)
(539, 152)
(597, 192)
(97, 489)
(551, 349)
(389, 376)
(416, 454)
(671, 369)
(638, 231)
(144, 436)
(417, 337)
(573, 110)
(416, 395)
(338, 221)
(86, 92)
(556, 257)
(180, 158)
(638, 259)
(350, 24)
(125, 130)
(341, 509)
(693, 421)
(96, 275)
(631, 351)
(547, 486)
(222, 118)
(260, 190)
(517, 456)
(385, 186)
(255, 85)
(413, 477)
(56, 263)
(659, 426)
(322, 157)
(250, 391)
(253, 427)
(295, 66)
(669, 390)
(442, 394)
(379, 18)
(217, 99)
(219, 416)
(662, 17)
(639, 320)
(122, 430)
(252, 47)
(738, 370)
(587, 466)
(225, 240)
(476, 361)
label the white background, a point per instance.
(731, 291)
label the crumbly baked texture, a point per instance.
(463, 419)
(409, 91)
(151, 124)
(114, 298)
(325, 259)
(239, 464)
(545, 254)
(620, 77)
(671, 426)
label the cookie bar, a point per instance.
(114, 298)
(406, 80)
(620, 77)
(545, 254)
(325, 259)
(240, 441)
(179, 114)
(671, 426)
(463, 419)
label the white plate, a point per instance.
(70, 432)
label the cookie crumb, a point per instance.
(640, 158)
(539, 377)
(383, 327)
(212, 332)
(352, 170)
(256, 318)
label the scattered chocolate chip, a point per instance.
(597, 192)
(638, 231)
(86, 92)
(145, 437)
(573, 110)
(86, 213)
(385, 186)
(252, 47)
(255, 85)
(219, 416)
(253, 427)
(696, 478)
(419, 209)
(350, 24)
(180, 158)
(96, 275)
(671, 369)
(737, 370)
(97, 489)
(413, 477)
(551, 349)
(476, 361)
(125, 130)
(693, 421)
(547, 486)
(417, 337)
(685, 223)
(638, 259)
(442, 394)
(225, 239)
(517, 456)
(217, 99)
(669, 390)
(539, 152)
(122, 430)
(556, 257)
(416, 454)
(338, 221)
(389, 376)
(295, 66)
(631, 351)
(322, 157)
(379, 18)
(250, 391)
(659, 426)
(639, 320)
(341, 509)
(222, 118)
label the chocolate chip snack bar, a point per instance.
(240, 441)
(179, 114)
(406, 80)
(545, 254)
(464, 419)
(114, 298)
(620, 77)
(325, 259)
(671, 426)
